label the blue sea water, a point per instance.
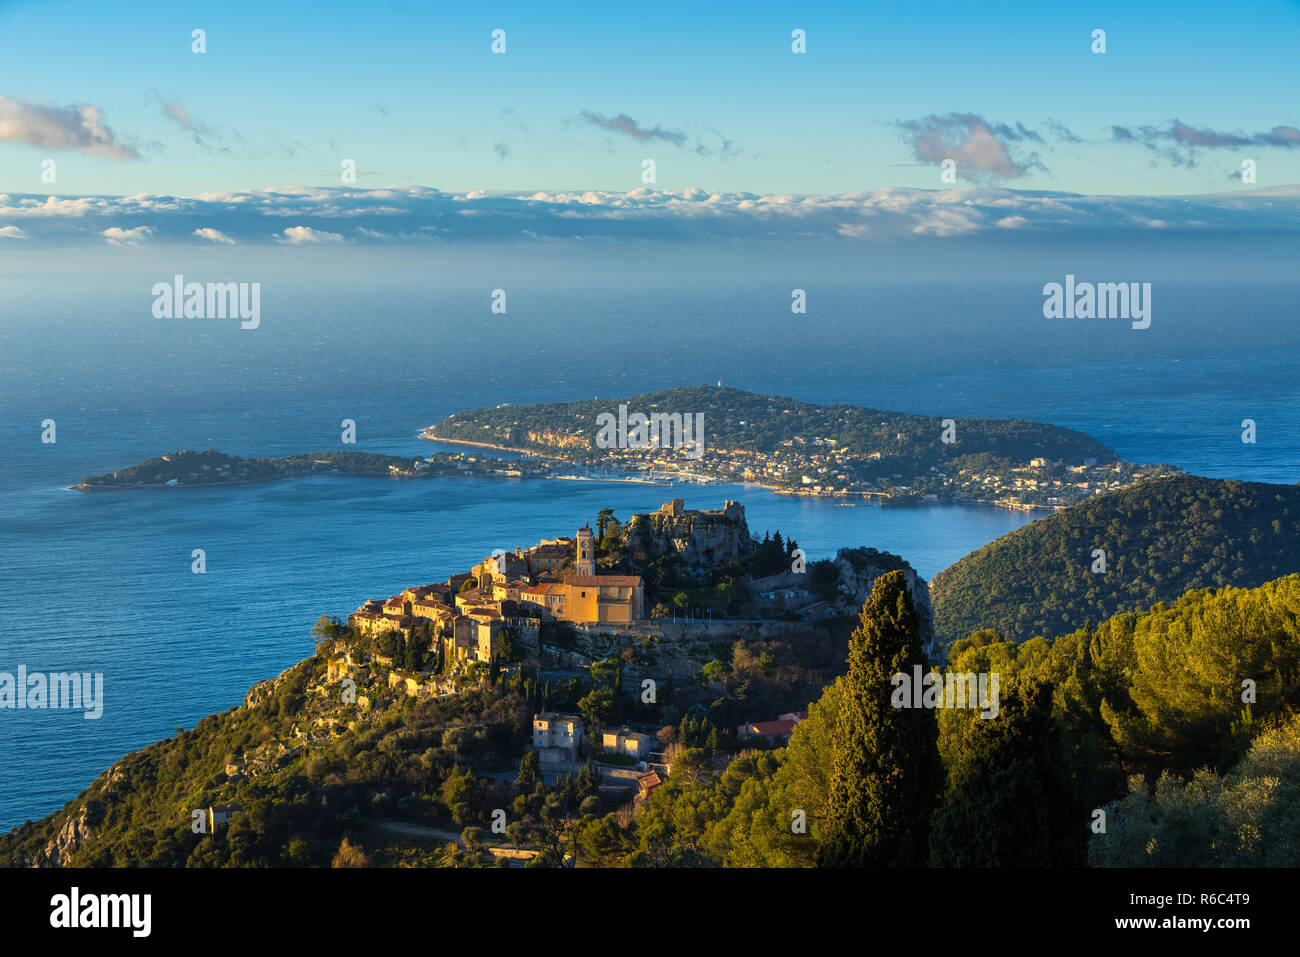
(102, 582)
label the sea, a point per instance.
(103, 582)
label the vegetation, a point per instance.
(215, 468)
(1160, 538)
(885, 765)
(745, 420)
(1246, 818)
(1172, 732)
(1023, 789)
(1011, 801)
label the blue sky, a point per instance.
(586, 92)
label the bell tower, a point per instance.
(586, 561)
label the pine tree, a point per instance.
(1011, 800)
(885, 761)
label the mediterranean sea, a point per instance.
(102, 582)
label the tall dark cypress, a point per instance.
(886, 772)
(1012, 801)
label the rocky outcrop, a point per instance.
(699, 537)
(77, 830)
(859, 568)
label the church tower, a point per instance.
(586, 562)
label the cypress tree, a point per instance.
(1012, 800)
(885, 769)
(529, 773)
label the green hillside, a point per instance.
(1161, 538)
(389, 780)
(738, 419)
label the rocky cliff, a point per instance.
(698, 537)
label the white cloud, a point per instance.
(214, 236)
(12, 232)
(117, 236)
(305, 235)
(418, 215)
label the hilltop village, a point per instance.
(682, 600)
(703, 565)
(579, 674)
(465, 616)
(667, 597)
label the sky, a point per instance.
(248, 142)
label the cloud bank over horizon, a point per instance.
(303, 215)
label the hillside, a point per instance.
(306, 764)
(1155, 705)
(323, 777)
(1161, 537)
(735, 418)
(793, 446)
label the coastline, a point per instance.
(151, 486)
(484, 445)
(859, 498)
(843, 497)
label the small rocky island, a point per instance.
(190, 468)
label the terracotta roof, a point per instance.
(547, 588)
(542, 551)
(420, 591)
(611, 581)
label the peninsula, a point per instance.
(795, 448)
(799, 448)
